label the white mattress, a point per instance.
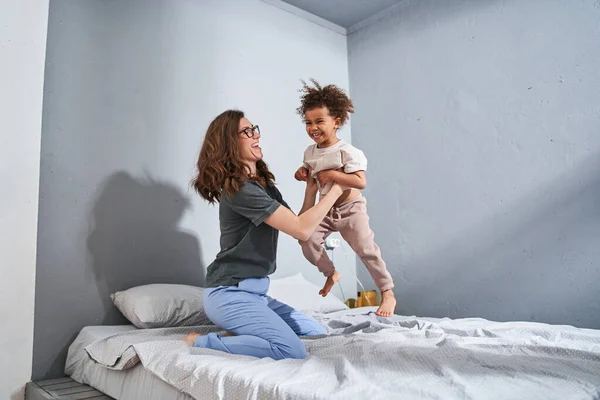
(363, 357)
(136, 383)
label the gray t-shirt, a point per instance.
(248, 245)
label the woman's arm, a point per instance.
(302, 227)
(356, 180)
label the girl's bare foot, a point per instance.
(331, 280)
(388, 304)
(190, 339)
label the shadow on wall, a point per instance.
(536, 261)
(112, 91)
(135, 239)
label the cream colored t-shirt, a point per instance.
(340, 155)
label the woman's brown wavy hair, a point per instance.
(220, 166)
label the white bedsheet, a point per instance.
(136, 383)
(370, 357)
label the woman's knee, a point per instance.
(315, 329)
(298, 352)
(295, 349)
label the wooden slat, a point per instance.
(53, 381)
(73, 390)
(64, 385)
(63, 389)
(93, 395)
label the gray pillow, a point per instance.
(162, 305)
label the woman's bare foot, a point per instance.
(331, 280)
(190, 339)
(388, 304)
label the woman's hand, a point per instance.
(309, 194)
(330, 175)
(356, 180)
(311, 184)
(325, 177)
(343, 188)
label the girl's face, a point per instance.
(321, 127)
(249, 142)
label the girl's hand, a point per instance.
(301, 174)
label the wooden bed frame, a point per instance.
(62, 389)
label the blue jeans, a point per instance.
(264, 327)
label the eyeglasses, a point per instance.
(250, 132)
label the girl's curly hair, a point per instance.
(220, 166)
(334, 98)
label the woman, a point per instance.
(251, 214)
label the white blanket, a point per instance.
(377, 358)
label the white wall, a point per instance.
(481, 120)
(130, 90)
(22, 51)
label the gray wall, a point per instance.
(130, 89)
(481, 121)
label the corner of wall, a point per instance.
(307, 16)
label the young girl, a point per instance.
(331, 160)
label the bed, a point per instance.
(362, 357)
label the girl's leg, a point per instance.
(354, 228)
(243, 310)
(313, 248)
(315, 254)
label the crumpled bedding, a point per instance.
(365, 356)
